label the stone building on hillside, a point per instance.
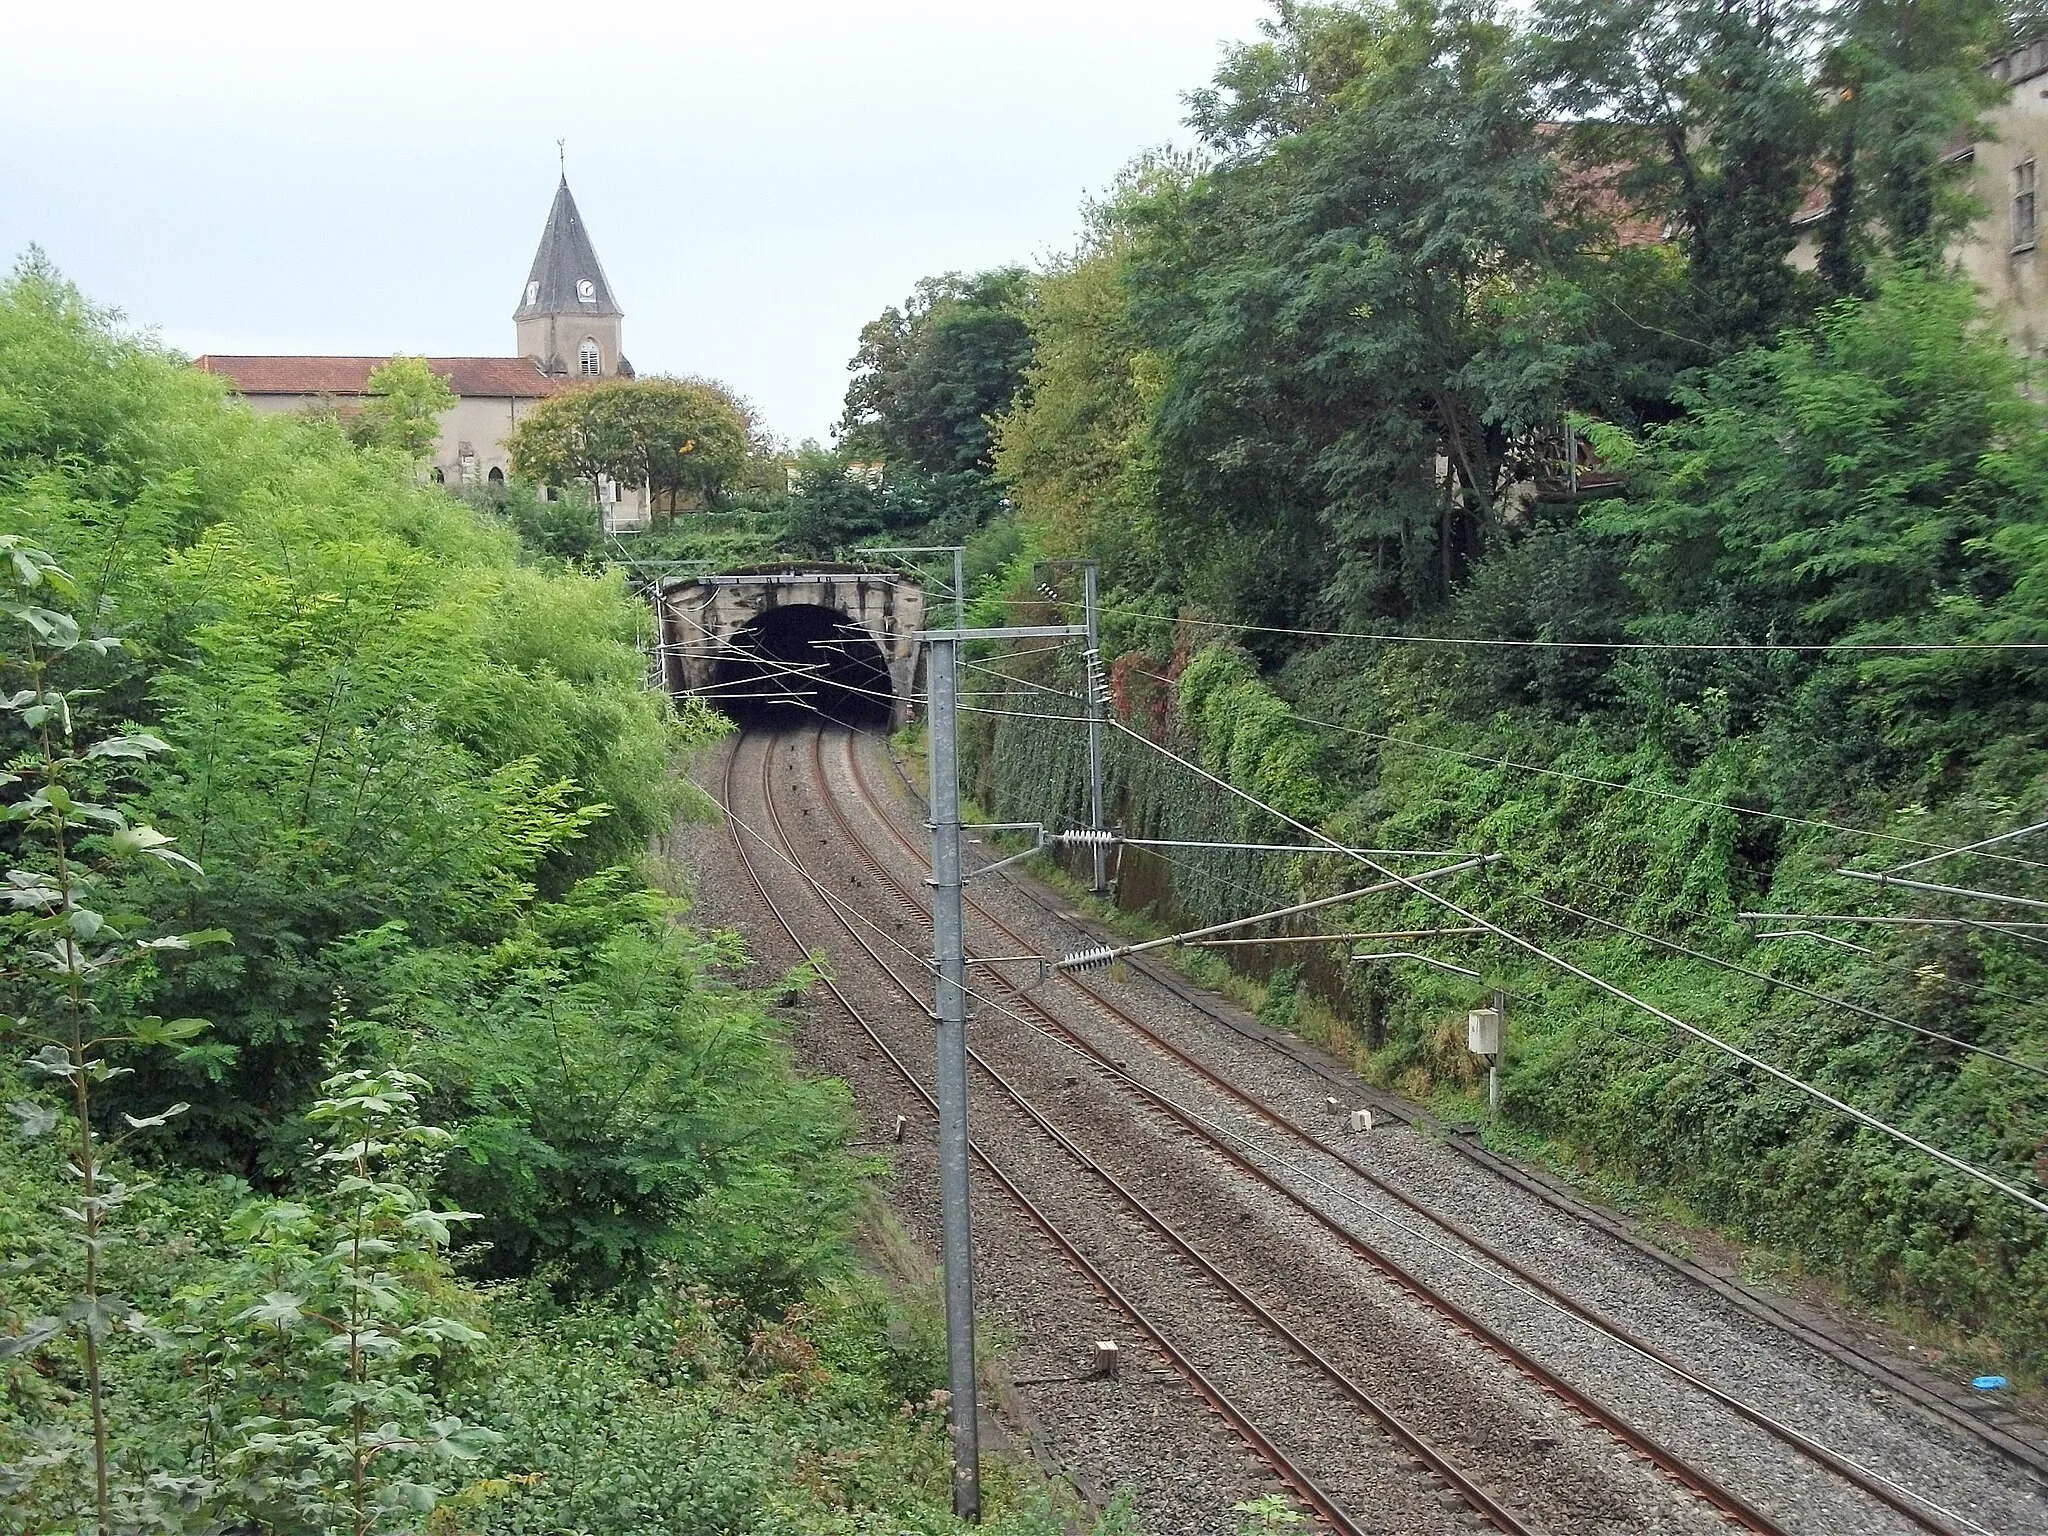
(2004, 253)
(567, 328)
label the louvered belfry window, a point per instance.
(590, 358)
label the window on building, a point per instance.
(439, 477)
(2023, 206)
(497, 478)
(590, 357)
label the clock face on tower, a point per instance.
(533, 293)
(586, 290)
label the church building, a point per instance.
(567, 329)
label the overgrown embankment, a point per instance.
(1599, 826)
(1442, 509)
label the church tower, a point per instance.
(567, 320)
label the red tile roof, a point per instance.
(493, 377)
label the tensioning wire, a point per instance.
(1389, 637)
(1706, 1037)
(1634, 789)
(1509, 1282)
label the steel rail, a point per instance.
(1465, 1143)
(1291, 1474)
(1665, 1459)
(1459, 1483)
(1964, 1418)
(1729, 1505)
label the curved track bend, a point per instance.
(1017, 1134)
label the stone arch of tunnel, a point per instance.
(801, 660)
(772, 643)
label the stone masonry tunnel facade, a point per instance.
(763, 643)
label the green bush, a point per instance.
(419, 768)
(669, 1420)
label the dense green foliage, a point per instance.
(929, 376)
(406, 771)
(768, 1432)
(683, 441)
(404, 405)
(1463, 481)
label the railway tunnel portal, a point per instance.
(770, 644)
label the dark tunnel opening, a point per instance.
(795, 663)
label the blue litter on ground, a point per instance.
(1988, 1383)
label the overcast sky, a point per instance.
(759, 178)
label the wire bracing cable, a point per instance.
(1370, 1208)
(976, 666)
(1791, 986)
(1705, 1037)
(1899, 967)
(1048, 814)
(1651, 938)
(1397, 638)
(1633, 789)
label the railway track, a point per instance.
(1999, 1431)
(1900, 1501)
(1994, 1429)
(1191, 1265)
(1417, 1445)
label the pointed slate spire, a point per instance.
(566, 278)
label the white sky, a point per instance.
(759, 179)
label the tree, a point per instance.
(63, 950)
(690, 436)
(558, 443)
(1708, 109)
(1365, 310)
(679, 438)
(1075, 447)
(929, 377)
(403, 405)
(1851, 483)
(1908, 81)
(334, 1325)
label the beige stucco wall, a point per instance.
(2012, 279)
(476, 426)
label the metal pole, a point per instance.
(1500, 1010)
(1942, 890)
(1949, 853)
(1092, 664)
(1103, 954)
(949, 954)
(959, 587)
